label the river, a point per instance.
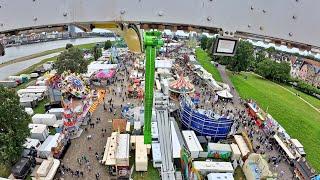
(29, 49)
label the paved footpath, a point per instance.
(225, 78)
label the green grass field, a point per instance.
(312, 100)
(298, 118)
(204, 60)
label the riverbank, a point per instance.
(44, 48)
(26, 64)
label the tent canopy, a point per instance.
(225, 94)
(181, 86)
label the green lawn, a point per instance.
(40, 107)
(299, 119)
(205, 61)
(4, 171)
(312, 100)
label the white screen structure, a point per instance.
(226, 46)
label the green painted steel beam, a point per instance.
(152, 42)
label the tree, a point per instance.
(203, 42)
(71, 59)
(275, 71)
(271, 50)
(260, 56)
(107, 45)
(210, 42)
(13, 126)
(69, 46)
(242, 59)
(97, 52)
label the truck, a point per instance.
(22, 168)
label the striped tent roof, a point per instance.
(181, 85)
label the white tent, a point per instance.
(224, 94)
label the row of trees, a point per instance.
(246, 60)
(274, 71)
(72, 58)
(13, 127)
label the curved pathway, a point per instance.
(225, 78)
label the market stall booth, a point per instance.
(225, 94)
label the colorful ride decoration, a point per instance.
(135, 91)
(187, 170)
(54, 81)
(181, 86)
(74, 85)
(152, 43)
(105, 73)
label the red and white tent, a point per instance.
(181, 85)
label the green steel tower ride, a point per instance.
(152, 42)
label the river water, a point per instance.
(25, 50)
(29, 49)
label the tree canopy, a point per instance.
(13, 126)
(69, 46)
(271, 50)
(275, 71)
(107, 45)
(97, 52)
(71, 59)
(242, 59)
(203, 42)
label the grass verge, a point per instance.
(4, 171)
(298, 118)
(205, 60)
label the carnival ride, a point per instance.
(152, 42)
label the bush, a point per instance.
(68, 46)
(307, 88)
(274, 71)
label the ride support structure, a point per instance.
(152, 42)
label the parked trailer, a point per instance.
(47, 119)
(28, 102)
(47, 170)
(51, 142)
(8, 84)
(156, 155)
(219, 151)
(38, 131)
(193, 143)
(56, 111)
(206, 167)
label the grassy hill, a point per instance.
(298, 118)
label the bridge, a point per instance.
(288, 22)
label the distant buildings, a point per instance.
(29, 38)
(305, 69)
